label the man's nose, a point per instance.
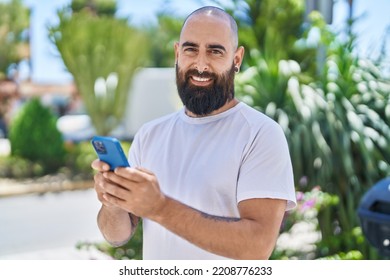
(201, 63)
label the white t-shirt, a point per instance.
(211, 164)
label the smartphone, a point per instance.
(110, 151)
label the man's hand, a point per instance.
(134, 190)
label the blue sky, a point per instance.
(48, 66)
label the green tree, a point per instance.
(14, 21)
(95, 7)
(34, 136)
(162, 38)
(273, 29)
(102, 54)
(14, 47)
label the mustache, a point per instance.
(194, 72)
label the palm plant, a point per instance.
(337, 127)
(356, 126)
(102, 54)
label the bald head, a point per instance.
(217, 13)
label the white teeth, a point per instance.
(198, 79)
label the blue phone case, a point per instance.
(110, 151)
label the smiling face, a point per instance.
(206, 57)
(205, 93)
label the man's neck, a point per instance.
(228, 105)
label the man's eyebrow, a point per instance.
(210, 46)
(216, 46)
(189, 44)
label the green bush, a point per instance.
(16, 167)
(78, 160)
(35, 137)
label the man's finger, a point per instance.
(144, 170)
(116, 190)
(112, 200)
(100, 166)
(131, 174)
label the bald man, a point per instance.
(211, 181)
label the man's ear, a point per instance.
(239, 56)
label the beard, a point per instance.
(202, 100)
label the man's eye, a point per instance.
(190, 50)
(216, 52)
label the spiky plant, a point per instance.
(338, 128)
(102, 54)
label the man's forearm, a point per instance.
(237, 238)
(116, 225)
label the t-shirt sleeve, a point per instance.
(266, 169)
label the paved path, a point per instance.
(49, 226)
